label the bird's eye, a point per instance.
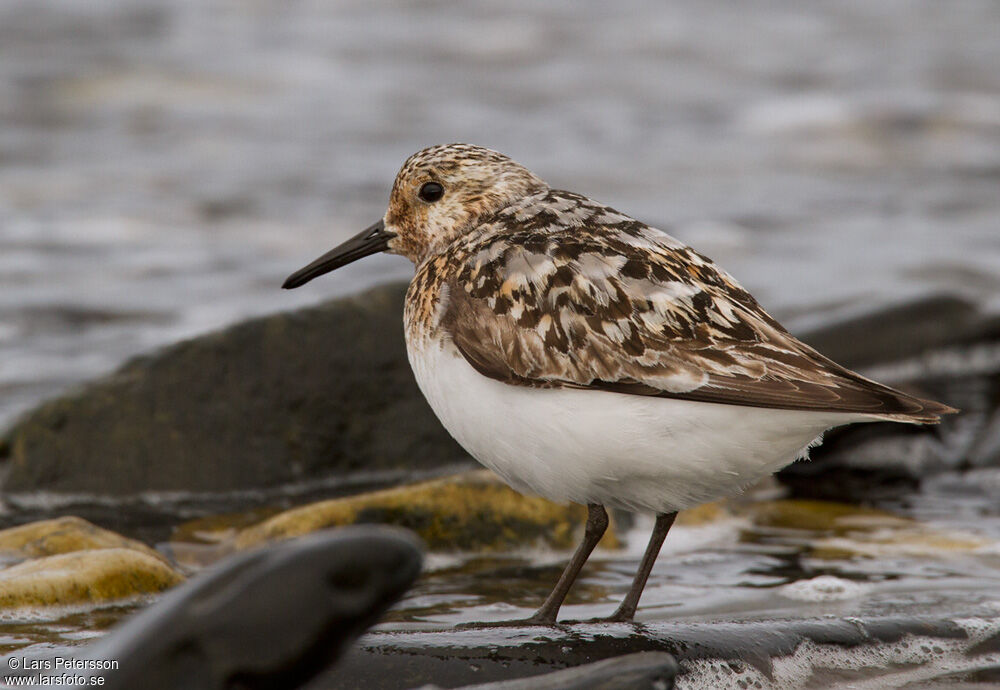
(431, 192)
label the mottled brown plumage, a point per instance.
(555, 290)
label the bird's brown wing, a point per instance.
(631, 310)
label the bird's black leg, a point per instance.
(626, 610)
(597, 525)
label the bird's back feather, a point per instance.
(560, 291)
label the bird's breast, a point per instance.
(426, 302)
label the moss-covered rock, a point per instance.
(82, 577)
(62, 535)
(472, 511)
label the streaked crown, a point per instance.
(442, 192)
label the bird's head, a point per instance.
(439, 194)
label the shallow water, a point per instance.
(735, 568)
(163, 165)
(749, 560)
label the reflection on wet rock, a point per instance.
(842, 531)
(917, 541)
(640, 671)
(718, 655)
(84, 577)
(472, 512)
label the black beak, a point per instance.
(371, 240)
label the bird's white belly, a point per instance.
(640, 453)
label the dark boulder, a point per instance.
(708, 654)
(280, 399)
(943, 348)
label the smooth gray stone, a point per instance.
(272, 618)
(453, 658)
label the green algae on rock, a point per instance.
(84, 577)
(471, 511)
(63, 535)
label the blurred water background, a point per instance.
(165, 163)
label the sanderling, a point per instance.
(585, 356)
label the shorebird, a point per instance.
(585, 356)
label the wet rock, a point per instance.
(721, 654)
(472, 511)
(900, 331)
(642, 671)
(84, 577)
(62, 535)
(275, 400)
(271, 618)
(989, 645)
(941, 347)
